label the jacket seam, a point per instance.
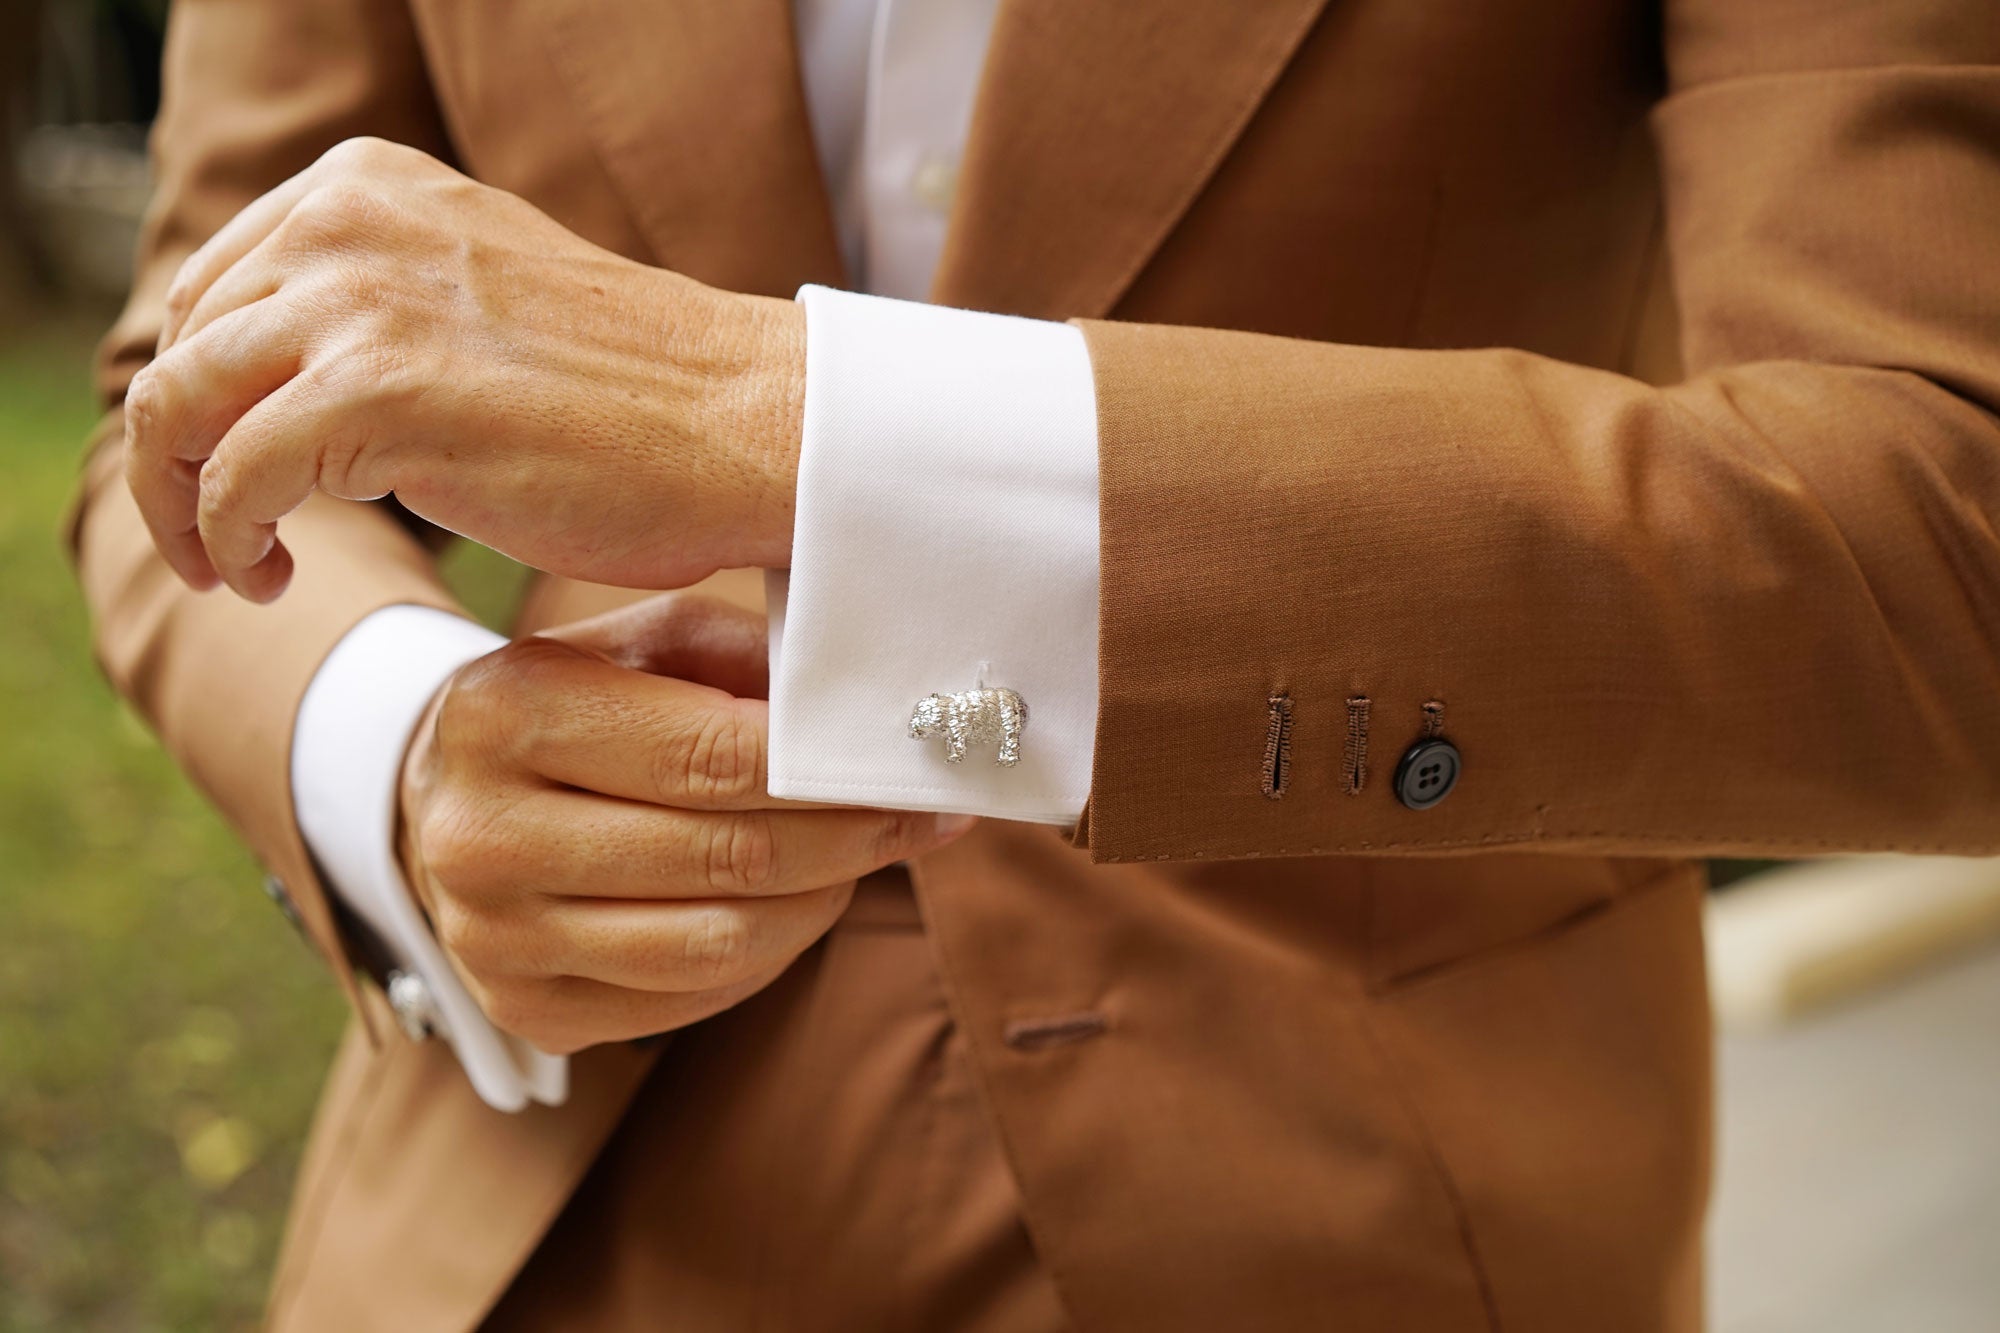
(1583, 918)
(1440, 1171)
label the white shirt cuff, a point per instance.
(353, 727)
(946, 537)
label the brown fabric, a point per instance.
(1746, 610)
(816, 1159)
(1713, 617)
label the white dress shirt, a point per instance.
(946, 533)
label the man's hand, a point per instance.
(381, 323)
(593, 841)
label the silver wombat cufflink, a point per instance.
(985, 715)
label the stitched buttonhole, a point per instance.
(1433, 719)
(1354, 757)
(1037, 1034)
(1278, 747)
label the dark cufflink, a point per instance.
(1427, 773)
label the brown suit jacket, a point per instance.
(1701, 560)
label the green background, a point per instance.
(163, 1032)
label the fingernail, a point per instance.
(950, 826)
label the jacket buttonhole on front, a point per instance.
(1035, 1034)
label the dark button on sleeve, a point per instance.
(1427, 773)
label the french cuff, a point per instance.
(353, 727)
(945, 541)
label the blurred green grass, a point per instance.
(162, 1031)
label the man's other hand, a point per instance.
(381, 323)
(584, 817)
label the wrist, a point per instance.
(776, 427)
(411, 781)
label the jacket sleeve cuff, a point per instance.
(353, 727)
(945, 539)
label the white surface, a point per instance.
(1859, 1183)
(946, 529)
(1804, 935)
(890, 86)
(347, 755)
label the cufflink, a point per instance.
(989, 715)
(415, 1008)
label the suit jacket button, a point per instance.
(1427, 773)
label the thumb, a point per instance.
(684, 635)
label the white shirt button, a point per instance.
(935, 182)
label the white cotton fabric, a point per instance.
(353, 727)
(946, 529)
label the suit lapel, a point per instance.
(698, 112)
(1096, 126)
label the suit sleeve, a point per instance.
(254, 93)
(1753, 612)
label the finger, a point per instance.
(676, 743)
(261, 470)
(181, 405)
(167, 491)
(563, 1015)
(253, 278)
(569, 844)
(548, 709)
(681, 947)
(684, 635)
(237, 238)
(192, 396)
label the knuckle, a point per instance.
(742, 855)
(465, 705)
(332, 219)
(717, 948)
(463, 932)
(357, 153)
(457, 846)
(898, 833)
(722, 761)
(493, 939)
(351, 289)
(488, 675)
(347, 460)
(337, 204)
(490, 705)
(145, 406)
(180, 296)
(220, 485)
